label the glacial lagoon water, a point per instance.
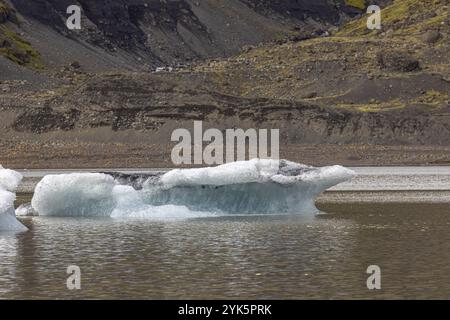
(235, 257)
(249, 256)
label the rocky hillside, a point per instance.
(351, 95)
(145, 33)
(405, 64)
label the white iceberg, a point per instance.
(9, 181)
(76, 194)
(246, 187)
(26, 210)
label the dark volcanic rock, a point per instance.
(160, 32)
(431, 36)
(397, 61)
(157, 106)
(135, 180)
(40, 120)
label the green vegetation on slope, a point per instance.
(18, 50)
(359, 69)
(14, 47)
(360, 4)
(404, 17)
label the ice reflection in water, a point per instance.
(235, 257)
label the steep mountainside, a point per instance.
(136, 33)
(353, 96)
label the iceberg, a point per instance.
(257, 186)
(9, 181)
(26, 210)
(75, 194)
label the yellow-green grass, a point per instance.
(360, 4)
(19, 47)
(401, 11)
(374, 107)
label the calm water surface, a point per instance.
(239, 257)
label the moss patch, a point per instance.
(433, 98)
(360, 4)
(374, 107)
(18, 50)
(3, 8)
(402, 17)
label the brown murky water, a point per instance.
(283, 257)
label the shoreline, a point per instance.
(140, 156)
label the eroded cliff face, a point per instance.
(157, 105)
